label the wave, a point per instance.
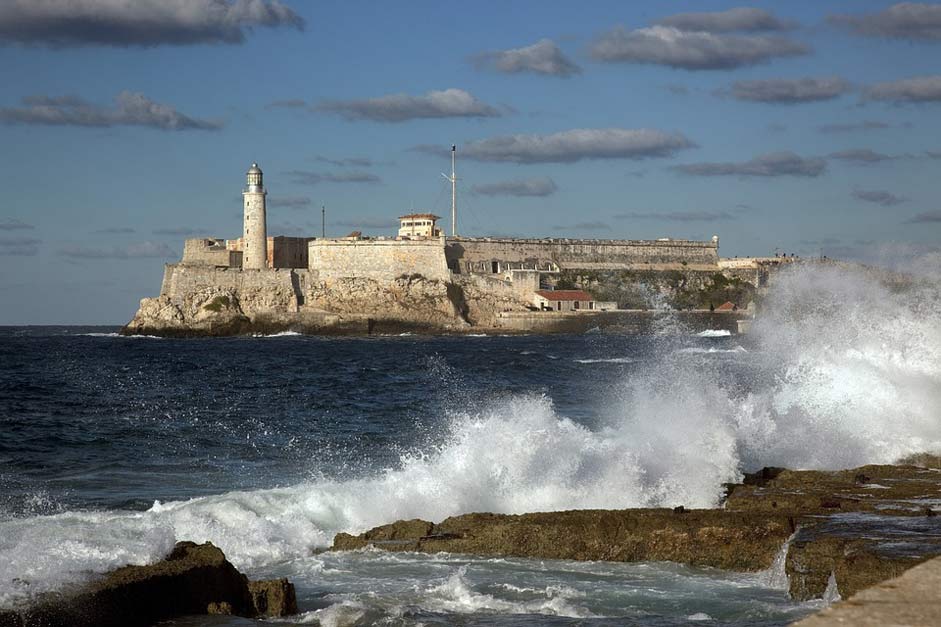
(843, 372)
(610, 360)
(279, 334)
(714, 333)
(702, 350)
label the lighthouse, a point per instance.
(255, 234)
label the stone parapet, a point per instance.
(380, 260)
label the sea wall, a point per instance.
(379, 260)
(492, 255)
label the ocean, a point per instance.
(113, 448)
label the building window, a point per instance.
(558, 305)
(575, 304)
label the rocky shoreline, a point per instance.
(829, 532)
(193, 579)
(854, 527)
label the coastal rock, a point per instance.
(861, 526)
(736, 541)
(192, 579)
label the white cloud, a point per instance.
(543, 57)
(130, 109)
(691, 50)
(138, 22)
(573, 145)
(449, 103)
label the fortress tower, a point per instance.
(255, 235)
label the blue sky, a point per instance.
(799, 126)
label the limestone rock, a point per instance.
(192, 579)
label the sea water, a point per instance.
(113, 448)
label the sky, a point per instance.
(803, 127)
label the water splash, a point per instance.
(843, 372)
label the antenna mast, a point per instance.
(453, 179)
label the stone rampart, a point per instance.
(203, 251)
(380, 260)
(493, 255)
(259, 290)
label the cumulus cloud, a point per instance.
(677, 216)
(743, 19)
(782, 163)
(906, 20)
(543, 57)
(290, 202)
(62, 23)
(925, 217)
(130, 109)
(879, 197)
(849, 127)
(12, 224)
(582, 226)
(788, 91)
(449, 103)
(19, 246)
(861, 156)
(691, 50)
(141, 250)
(304, 177)
(908, 90)
(519, 187)
(571, 146)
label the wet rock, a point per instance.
(273, 598)
(862, 525)
(192, 579)
(733, 540)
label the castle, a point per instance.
(421, 247)
(420, 274)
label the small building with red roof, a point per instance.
(563, 300)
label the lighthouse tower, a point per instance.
(255, 235)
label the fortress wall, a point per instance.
(258, 290)
(209, 252)
(381, 260)
(479, 254)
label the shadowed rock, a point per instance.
(192, 579)
(862, 526)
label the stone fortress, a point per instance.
(421, 279)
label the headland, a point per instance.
(422, 280)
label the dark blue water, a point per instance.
(269, 445)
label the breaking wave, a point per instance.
(845, 372)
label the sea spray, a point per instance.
(840, 372)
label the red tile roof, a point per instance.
(726, 306)
(565, 295)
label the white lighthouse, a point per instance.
(255, 235)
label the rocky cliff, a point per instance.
(198, 301)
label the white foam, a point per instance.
(851, 374)
(456, 595)
(279, 334)
(701, 350)
(611, 360)
(714, 333)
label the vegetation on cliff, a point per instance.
(651, 289)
